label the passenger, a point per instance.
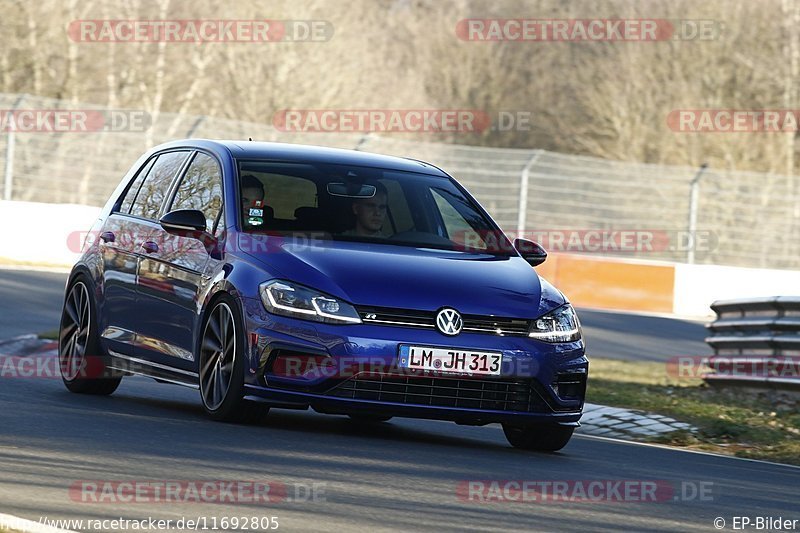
(252, 192)
(252, 201)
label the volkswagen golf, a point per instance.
(285, 276)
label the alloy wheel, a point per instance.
(74, 335)
(217, 356)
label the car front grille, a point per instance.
(427, 319)
(467, 393)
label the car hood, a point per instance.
(384, 275)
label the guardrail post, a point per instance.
(10, 145)
(9, 164)
(195, 126)
(524, 178)
(694, 200)
(363, 140)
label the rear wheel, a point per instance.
(543, 438)
(222, 365)
(83, 365)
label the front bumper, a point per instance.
(539, 382)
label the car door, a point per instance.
(122, 247)
(172, 278)
(119, 257)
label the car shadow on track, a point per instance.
(294, 423)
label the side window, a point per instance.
(156, 186)
(133, 190)
(201, 189)
(458, 228)
(285, 194)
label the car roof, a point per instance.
(305, 153)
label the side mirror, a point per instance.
(192, 223)
(183, 220)
(530, 251)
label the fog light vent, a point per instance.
(570, 385)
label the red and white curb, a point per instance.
(627, 424)
(28, 345)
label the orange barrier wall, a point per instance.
(607, 283)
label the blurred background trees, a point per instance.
(603, 99)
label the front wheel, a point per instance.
(543, 438)
(83, 366)
(221, 365)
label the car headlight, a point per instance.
(561, 325)
(288, 299)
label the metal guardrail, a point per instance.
(756, 342)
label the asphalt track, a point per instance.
(402, 476)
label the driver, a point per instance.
(370, 213)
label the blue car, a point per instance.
(286, 276)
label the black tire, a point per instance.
(221, 363)
(542, 438)
(369, 419)
(83, 364)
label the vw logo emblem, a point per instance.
(449, 322)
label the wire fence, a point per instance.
(572, 203)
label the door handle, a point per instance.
(108, 236)
(150, 247)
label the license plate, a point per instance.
(450, 360)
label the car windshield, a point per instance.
(338, 202)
